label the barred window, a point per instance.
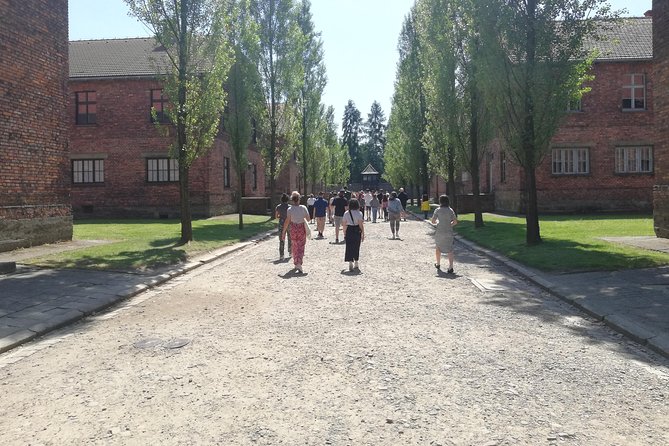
(226, 172)
(88, 171)
(86, 104)
(574, 105)
(255, 177)
(634, 92)
(159, 104)
(502, 167)
(571, 161)
(634, 159)
(162, 170)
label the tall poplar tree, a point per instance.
(193, 35)
(437, 32)
(336, 171)
(281, 74)
(536, 60)
(409, 113)
(375, 136)
(243, 91)
(351, 127)
(309, 99)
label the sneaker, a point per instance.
(336, 240)
(299, 268)
(450, 271)
(438, 266)
(350, 266)
(355, 266)
(393, 236)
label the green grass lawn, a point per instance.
(570, 243)
(139, 244)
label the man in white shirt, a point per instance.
(368, 204)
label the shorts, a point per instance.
(337, 221)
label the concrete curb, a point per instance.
(635, 332)
(102, 303)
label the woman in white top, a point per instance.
(296, 219)
(354, 233)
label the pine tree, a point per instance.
(351, 129)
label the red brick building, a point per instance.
(661, 77)
(603, 156)
(34, 164)
(120, 163)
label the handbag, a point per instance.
(307, 229)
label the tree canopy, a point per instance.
(192, 32)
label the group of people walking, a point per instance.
(348, 214)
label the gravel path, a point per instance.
(243, 352)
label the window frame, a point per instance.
(570, 161)
(502, 167)
(86, 117)
(160, 104)
(631, 88)
(226, 173)
(575, 105)
(255, 176)
(92, 171)
(637, 159)
(166, 170)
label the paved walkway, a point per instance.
(36, 301)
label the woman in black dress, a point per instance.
(354, 233)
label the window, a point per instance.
(86, 107)
(226, 172)
(571, 161)
(162, 170)
(634, 92)
(88, 171)
(254, 135)
(255, 177)
(502, 167)
(574, 105)
(159, 104)
(634, 159)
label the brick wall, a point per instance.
(124, 137)
(601, 126)
(661, 76)
(34, 165)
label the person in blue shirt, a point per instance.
(320, 212)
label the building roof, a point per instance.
(369, 170)
(630, 38)
(626, 39)
(116, 58)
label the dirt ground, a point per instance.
(244, 352)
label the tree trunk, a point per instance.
(533, 235)
(453, 197)
(476, 191)
(305, 168)
(184, 193)
(272, 167)
(474, 149)
(240, 202)
(184, 196)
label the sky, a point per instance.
(359, 40)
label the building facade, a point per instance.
(661, 76)
(602, 158)
(34, 163)
(120, 159)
